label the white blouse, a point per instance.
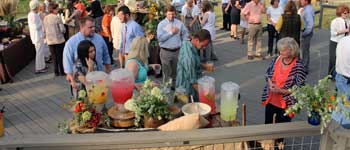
(35, 28)
(116, 31)
(210, 24)
(337, 25)
(195, 10)
(343, 57)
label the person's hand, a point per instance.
(90, 63)
(110, 39)
(155, 66)
(174, 30)
(73, 84)
(69, 77)
(346, 30)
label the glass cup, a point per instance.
(157, 69)
(209, 66)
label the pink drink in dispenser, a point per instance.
(122, 86)
(206, 91)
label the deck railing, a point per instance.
(211, 138)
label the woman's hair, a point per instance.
(52, 7)
(273, 1)
(206, 6)
(139, 49)
(108, 8)
(83, 51)
(291, 7)
(341, 9)
(290, 44)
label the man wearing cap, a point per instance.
(37, 36)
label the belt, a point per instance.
(170, 50)
(347, 78)
(255, 23)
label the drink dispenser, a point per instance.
(97, 87)
(122, 86)
(206, 91)
(229, 101)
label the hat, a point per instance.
(33, 4)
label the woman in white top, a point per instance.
(339, 29)
(37, 36)
(189, 16)
(208, 23)
(273, 13)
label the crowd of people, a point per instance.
(93, 34)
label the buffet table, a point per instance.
(14, 57)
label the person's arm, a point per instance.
(184, 32)
(105, 57)
(309, 22)
(245, 12)
(163, 35)
(133, 67)
(195, 87)
(204, 19)
(139, 31)
(237, 5)
(335, 29)
(61, 25)
(279, 24)
(262, 7)
(68, 57)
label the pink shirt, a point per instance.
(253, 12)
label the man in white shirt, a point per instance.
(37, 37)
(343, 78)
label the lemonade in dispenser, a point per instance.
(229, 101)
(97, 87)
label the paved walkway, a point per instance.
(34, 103)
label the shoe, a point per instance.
(268, 57)
(250, 57)
(259, 57)
(48, 60)
(236, 38)
(228, 30)
(223, 29)
(57, 74)
(41, 71)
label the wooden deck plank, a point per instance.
(30, 103)
(35, 123)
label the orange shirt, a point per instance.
(82, 8)
(279, 77)
(106, 25)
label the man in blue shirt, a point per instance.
(87, 32)
(130, 30)
(308, 17)
(171, 33)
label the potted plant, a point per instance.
(151, 108)
(319, 101)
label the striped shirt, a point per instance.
(297, 76)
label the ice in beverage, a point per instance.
(206, 91)
(229, 101)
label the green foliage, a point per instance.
(151, 101)
(321, 98)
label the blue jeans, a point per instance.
(343, 88)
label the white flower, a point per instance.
(156, 92)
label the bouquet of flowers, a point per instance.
(85, 117)
(320, 101)
(151, 102)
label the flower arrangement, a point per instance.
(152, 102)
(156, 13)
(85, 117)
(320, 99)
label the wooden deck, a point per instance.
(34, 103)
